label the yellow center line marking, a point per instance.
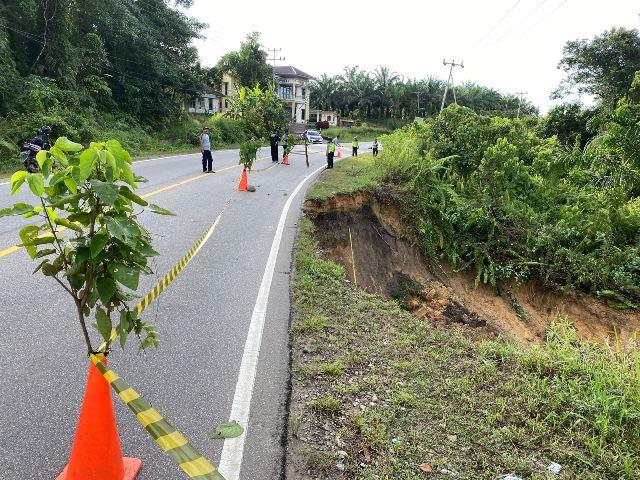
(15, 248)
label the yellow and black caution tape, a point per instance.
(159, 287)
(172, 442)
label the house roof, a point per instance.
(289, 71)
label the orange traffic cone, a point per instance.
(339, 152)
(96, 453)
(242, 186)
(286, 160)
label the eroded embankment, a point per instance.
(386, 262)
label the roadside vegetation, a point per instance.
(365, 132)
(379, 393)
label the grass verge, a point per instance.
(380, 394)
(365, 133)
(349, 175)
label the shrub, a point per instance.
(322, 125)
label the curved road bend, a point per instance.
(203, 319)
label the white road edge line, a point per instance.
(233, 449)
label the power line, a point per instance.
(543, 18)
(536, 8)
(498, 22)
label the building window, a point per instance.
(304, 114)
(210, 103)
(328, 118)
(302, 92)
(285, 92)
(193, 104)
(226, 88)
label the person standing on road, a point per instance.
(205, 148)
(354, 145)
(331, 150)
(375, 147)
(285, 144)
(273, 141)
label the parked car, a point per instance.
(313, 136)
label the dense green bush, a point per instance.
(492, 195)
(224, 130)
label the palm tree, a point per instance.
(323, 92)
(384, 81)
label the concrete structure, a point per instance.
(346, 122)
(207, 102)
(293, 90)
(330, 116)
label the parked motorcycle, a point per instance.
(30, 148)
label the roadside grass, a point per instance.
(348, 175)
(407, 394)
(365, 133)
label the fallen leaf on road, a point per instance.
(228, 430)
(425, 468)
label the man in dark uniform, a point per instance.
(273, 140)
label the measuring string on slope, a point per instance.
(172, 442)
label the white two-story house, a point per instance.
(293, 89)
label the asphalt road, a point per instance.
(203, 319)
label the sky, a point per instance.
(510, 45)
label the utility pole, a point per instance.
(274, 59)
(450, 80)
(418, 94)
(520, 94)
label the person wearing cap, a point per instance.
(205, 148)
(354, 145)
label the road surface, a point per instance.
(203, 319)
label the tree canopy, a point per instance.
(385, 94)
(248, 66)
(604, 66)
(136, 56)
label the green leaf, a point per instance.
(128, 176)
(41, 157)
(128, 194)
(66, 145)
(87, 158)
(97, 244)
(108, 192)
(159, 210)
(17, 209)
(83, 254)
(127, 276)
(40, 265)
(26, 234)
(36, 183)
(106, 289)
(70, 225)
(104, 324)
(230, 429)
(59, 154)
(115, 228)
(71, 185)
(45, 252)
(51, 270)
(17, 179)
(58, 177)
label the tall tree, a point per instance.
(248, 66)
(603, 66)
